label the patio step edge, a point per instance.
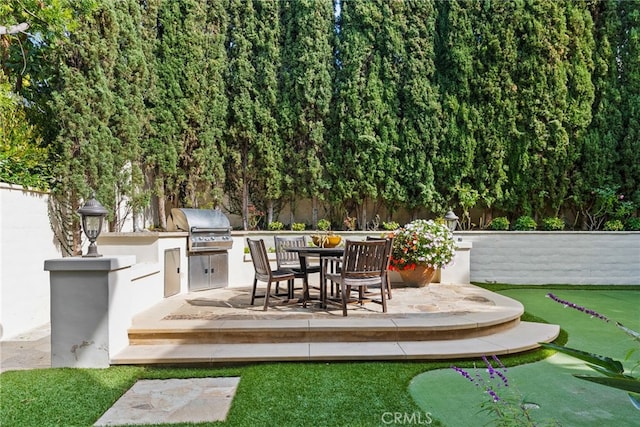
(284, 332)
(525, 336)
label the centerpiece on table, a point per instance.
(420, 248)
(326, 239)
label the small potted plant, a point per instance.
(419, 249)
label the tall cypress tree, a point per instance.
(629, 146)
(149, 32)
(395, 57)
(536, 174)
(361, 153)
(597, 156)
(455, 48)
(164, 147)
(420, 113)
(266, 184)
(84, 104)
(129, 80)
(306, 76)
(254, 162)
(240, 120)
(184, 152)
(206, 101)
(580, 98)
(495, 98)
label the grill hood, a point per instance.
(209, 229)
(194, 220)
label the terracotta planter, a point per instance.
(419, 277)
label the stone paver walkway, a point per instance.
(192, 400)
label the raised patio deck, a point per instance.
(441, 321)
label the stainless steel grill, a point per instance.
(209, 230)
(208, 242)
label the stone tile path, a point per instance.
(193, 400)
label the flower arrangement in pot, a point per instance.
(419, 249)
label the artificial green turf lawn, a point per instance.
(295, 394)
(549, 383)
(305, 394)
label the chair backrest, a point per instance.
(286, 259)
(366, 259)
(260, 259)
(389, 246)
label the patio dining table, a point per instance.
(321, 253)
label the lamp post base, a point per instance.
(92, 251)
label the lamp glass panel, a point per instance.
(92, 226)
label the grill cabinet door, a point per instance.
(208, 271)
(198, 272)
(219, 270)
(171, 272)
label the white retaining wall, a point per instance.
(26, 240)
(565, 257)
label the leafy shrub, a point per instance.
(525, 223)
(275, 226)
(552, 224)
(324, 224)
(499, 223)
(633, 224)
(390, 226)
(613, 225)
(605, 205)
(298, 226)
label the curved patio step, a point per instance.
(522, 337)
(418, 328)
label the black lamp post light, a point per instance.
(92, 214)
(452, 220)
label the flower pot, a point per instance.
(419, 277)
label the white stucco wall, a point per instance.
(26, 240)
(566, 257)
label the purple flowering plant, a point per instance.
(504, 402)
(612, 372)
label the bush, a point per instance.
(390, 226)
(632, 224)
(324, 224)
(552, 224)
(275, 226)
(499, 223)
(298, 226)
(613, 225)
(525, 223)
